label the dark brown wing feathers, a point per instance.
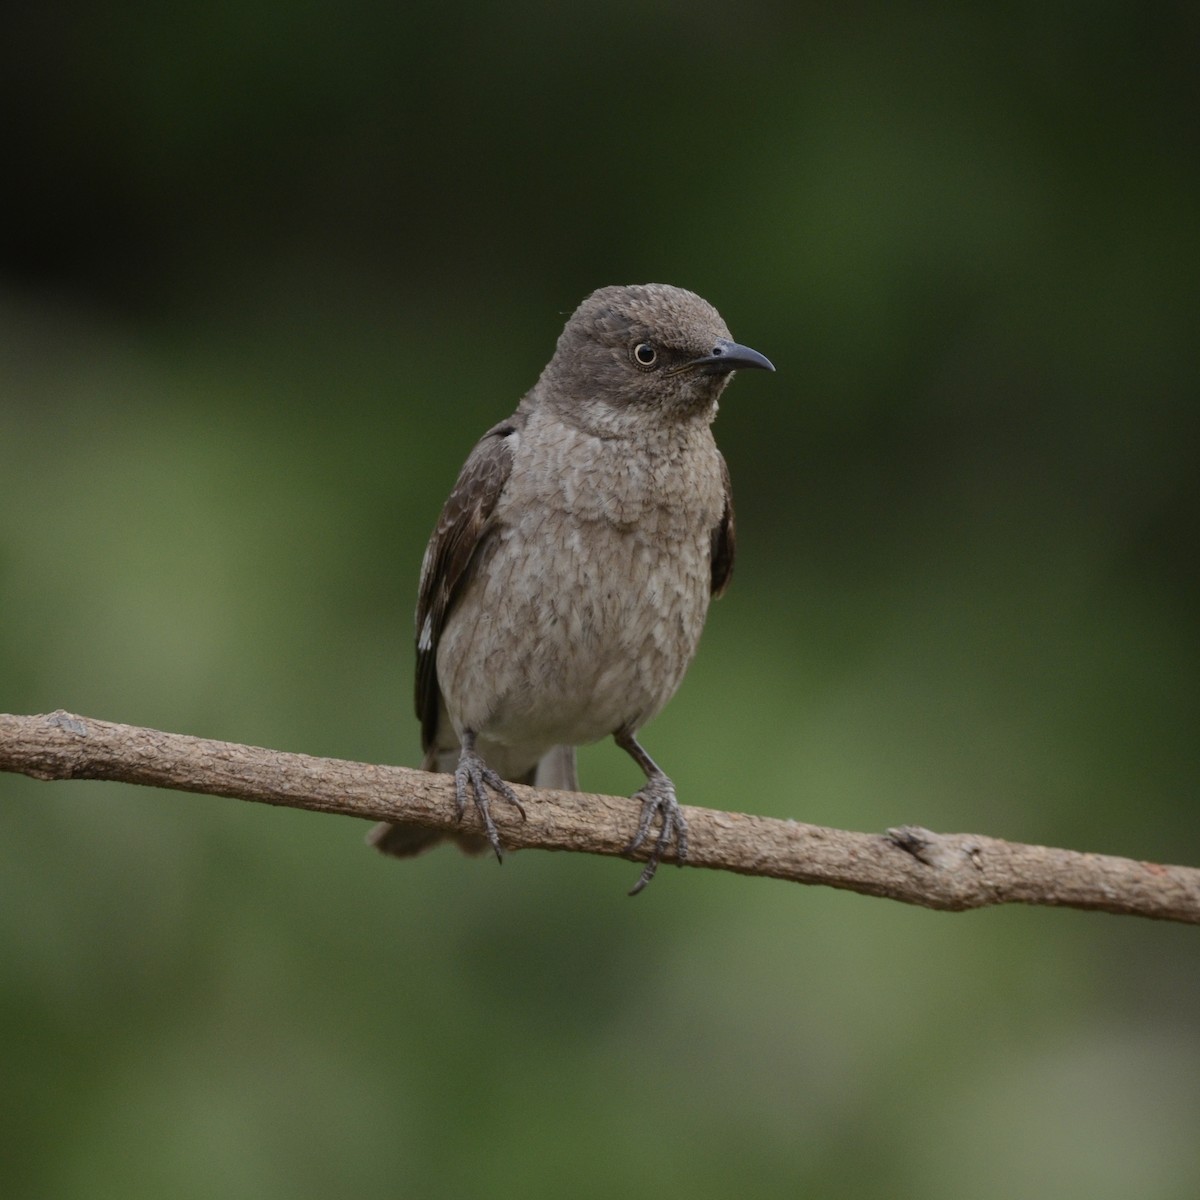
(723, 540)
(460, 530)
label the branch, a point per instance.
(953, 872)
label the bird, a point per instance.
(566, 583)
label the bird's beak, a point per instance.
(730, 356)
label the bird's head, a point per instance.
(639, 353)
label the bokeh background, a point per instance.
(269, 269)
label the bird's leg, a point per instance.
(658, 799)
(474, 776)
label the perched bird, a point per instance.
(566, 584)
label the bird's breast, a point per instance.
(589, 602)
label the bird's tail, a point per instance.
(556, 769)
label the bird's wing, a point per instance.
(723, 539)
(461, 530)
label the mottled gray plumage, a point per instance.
(565, 586)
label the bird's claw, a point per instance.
(474, 776)
(658, 799)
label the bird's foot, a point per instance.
(472, 778)
(658, 800)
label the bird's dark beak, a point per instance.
(730, 356)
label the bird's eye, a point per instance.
(645, 354)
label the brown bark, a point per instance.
(944, 871)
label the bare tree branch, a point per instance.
(944, 871)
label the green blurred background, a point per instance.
(268, 271)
